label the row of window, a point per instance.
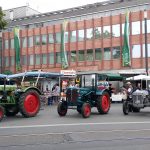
(81, 55)
(79, 35)
(80, 18)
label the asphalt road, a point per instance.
(48, 131)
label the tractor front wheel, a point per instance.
(62, 108)
(29, 103)
(2, 112)
(103, 103)
(86, 110)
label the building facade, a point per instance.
(93, 38)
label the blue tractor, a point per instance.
(92, 90)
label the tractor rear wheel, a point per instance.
(86, 110)
(125, 108)
(62, 108)
(29, 103)
(2, 112)
(103, 103)
(12, 111)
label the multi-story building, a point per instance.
(94, 38)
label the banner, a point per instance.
(17, 48)
(64, 59)
(126, 61)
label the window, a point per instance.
(80, 35)
(89, 33)
(107, 54)
(66, 37)
(44, 39)
(12, 43)
(106, 32)
(51, 58)
(24, 60)
(31, 59)
(73, 36)
(116, 30)
(37, 59)
(6, 44)
(30, 41)
(89, 55)
(58, 37)
(44, 59)
(143, 26)
(12, 60)
(24, 42)
(38, 25)
(116, 52)
(73, 56)
(136, 51)
(97, 32)
(81, 55)
(135, 28)
(148, 50)
(6, 62)
(51, 38)
(87, 80)
(37, 40)
(98, 54)
(58, 58)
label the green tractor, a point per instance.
(20, 93)
(92, 90)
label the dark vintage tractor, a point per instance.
(20, 93)
(139, 98)
(90, 90)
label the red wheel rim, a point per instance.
(1, 113)
(105, 103)
(31, 103)
(87, 110)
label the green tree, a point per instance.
(3, 22)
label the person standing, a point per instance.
(56, 93)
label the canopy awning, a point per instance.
(139, 77)
(34, 74)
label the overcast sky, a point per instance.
(46, 5)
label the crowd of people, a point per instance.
(52, 96)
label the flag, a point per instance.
(64, 60)
(126, 61)
(17, 48)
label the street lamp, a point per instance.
(146, 52)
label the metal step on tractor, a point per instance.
(86, 91)
(21, 93)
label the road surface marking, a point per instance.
(72, 124)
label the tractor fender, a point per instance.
(100, 92)
(32, 88)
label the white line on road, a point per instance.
(73, 124)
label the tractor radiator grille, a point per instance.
(72, 95)
(137, 100)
